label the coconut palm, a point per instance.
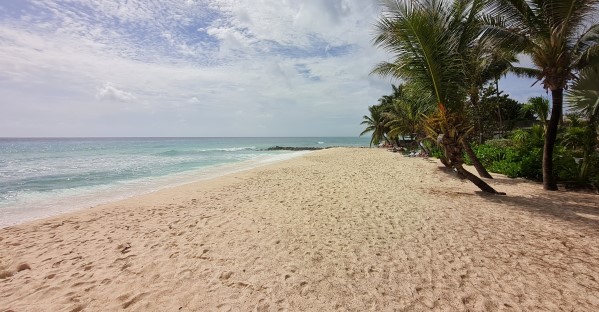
(404, 117)
(557, 37)
(375, 123)
(485, 64)
(387, 100)
(449, 130)
(415, 33)
(426, 39)
(539, 107)
(458, 29)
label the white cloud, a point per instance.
(185, 68)
(111, 93)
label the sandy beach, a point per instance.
(334, 230)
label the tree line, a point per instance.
(449, 56)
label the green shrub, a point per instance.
(565, 167)
(488, 154)
(434, 148)
(510, 169)
(594, 171)
(523, 157)
(500, 143)
(528, 138)
(594, 180)
(531, 164)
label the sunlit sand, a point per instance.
(339, 229)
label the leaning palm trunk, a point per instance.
(454, 151)
(475, 161)
(450, 131)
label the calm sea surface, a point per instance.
(44, 177)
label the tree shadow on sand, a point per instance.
(579, 208)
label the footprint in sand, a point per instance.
(50, 276)
(23, 267)
(225, 275)
(78, 308)
(131, 301)
(304, 289)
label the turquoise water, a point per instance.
(43, 177)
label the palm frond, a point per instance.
(549, 32)
(521, 14)
(423, 38)
(565, 17)
(583, 95)
(586, 49)
(525, 72)
(506, 37)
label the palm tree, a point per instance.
(426, 39)
(404, 117)
(485, 64)
(375, 123)
(462, 18)
(449, 130)
(387, 100)
(556, 36)
(583, 98)
(539, 107)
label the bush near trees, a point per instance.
(452, 50)
(513, 135)
(498, 114)
(520, 155)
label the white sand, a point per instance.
(339, 229)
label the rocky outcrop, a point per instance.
(294, 148)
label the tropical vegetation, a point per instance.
(560, 38)
(450, 56)
(430, 42)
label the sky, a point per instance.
(88, 68)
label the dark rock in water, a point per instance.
(294, 148)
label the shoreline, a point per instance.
(344, 228)
(14, 215)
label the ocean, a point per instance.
(41, 177)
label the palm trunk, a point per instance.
(445, 161)
(387, 140)
(424, 148)
(476, 180)
(475, 161)
(454, 153)
(557, 97)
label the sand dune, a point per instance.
(339, 229)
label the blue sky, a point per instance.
(191, 67)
